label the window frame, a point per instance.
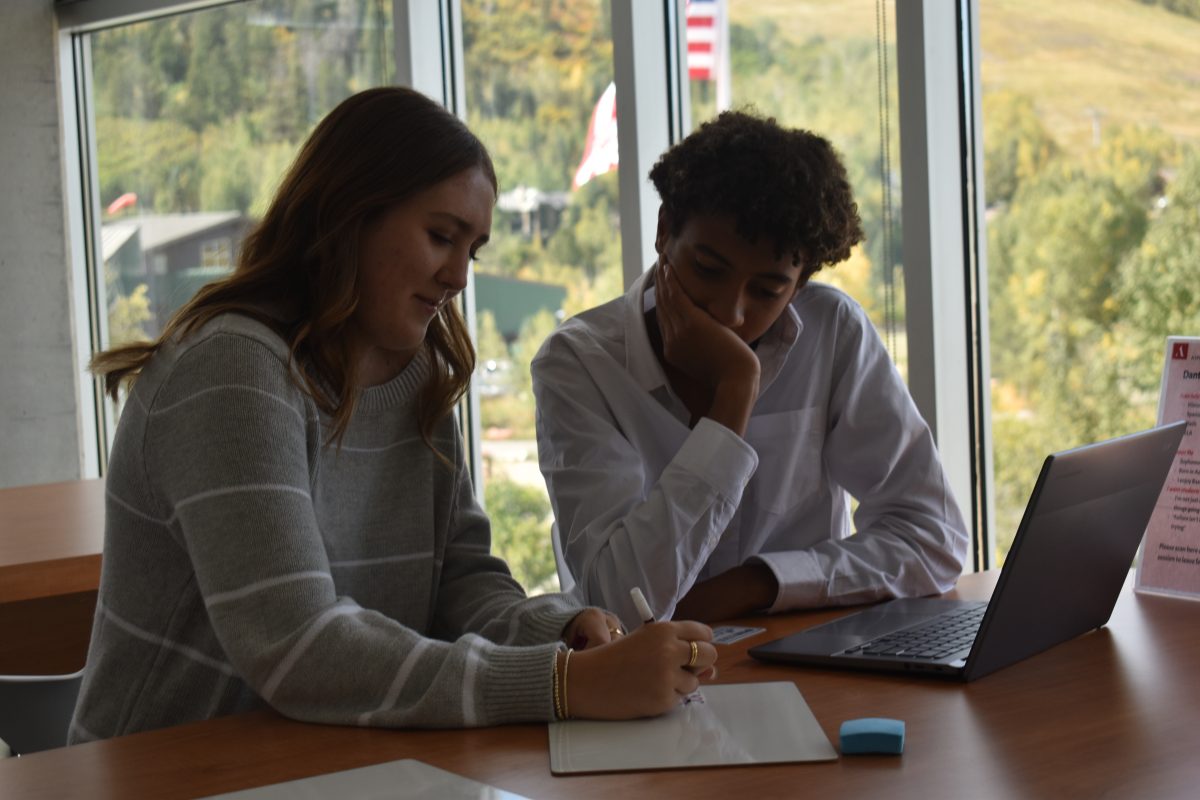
(942, 220)
(943, 253)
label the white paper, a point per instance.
(737, 723)
(1169, 562)
(728, 634)
(394, 780)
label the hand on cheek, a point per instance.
(693, 340)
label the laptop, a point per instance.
(1063, 574)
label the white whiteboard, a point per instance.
(736, 723)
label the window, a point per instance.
(192, 119)
(1092, 178)
(216, 253)
(828, 67)
(187, 122)
(539, 92)
(196, 117)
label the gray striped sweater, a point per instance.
(247, 563)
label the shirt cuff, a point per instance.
(719, 457)
(801, 581)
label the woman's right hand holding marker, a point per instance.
(642, 674)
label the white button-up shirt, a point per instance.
(640, 499)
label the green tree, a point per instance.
(1159, 291)
(533, 332)
(1053, 260)
(227, 181)
(201, 111)
(535, 70)
(1137, 159)
(214, 77)
(589, 239)
(159, 160)
(1017, 145)
(489, 344)
(1185, 8)
(284, 113)
(127, 314)
(520, 518)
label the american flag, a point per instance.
(702, 39)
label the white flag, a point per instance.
(600, 150)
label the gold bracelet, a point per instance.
(557, 707)
(566, 667)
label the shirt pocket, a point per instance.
(790, 458)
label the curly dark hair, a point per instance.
(785, 184)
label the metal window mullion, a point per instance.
(647, 111)
(935, 248)
(88, 292)
(76, 23)
(679, 109)
(427, 34)
(429, 58)
(976, 228)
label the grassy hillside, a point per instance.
(1124, 60)
(1127, 61)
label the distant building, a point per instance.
(173, 254)
(176, 254)
(512, 300)
(532, 213)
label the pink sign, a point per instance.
(1170, 558)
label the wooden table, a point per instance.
(1114, 713)
(51, 537)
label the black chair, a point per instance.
(35, 710)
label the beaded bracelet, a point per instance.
(557, 706)
(566, 667)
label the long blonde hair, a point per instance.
(298, 268)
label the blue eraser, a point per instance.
(872, 735)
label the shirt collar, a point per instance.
(639, 355)
(643, 365)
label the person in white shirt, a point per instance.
(702, 436)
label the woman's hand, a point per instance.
(643, 674)
(591, 628)
(706, 351)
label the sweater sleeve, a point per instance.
(477, 593)
(229, 445)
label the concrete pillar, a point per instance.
(40, 438)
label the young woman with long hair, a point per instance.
(290, 520)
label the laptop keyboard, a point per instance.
(938, 638)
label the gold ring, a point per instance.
(616, 632)
(695, 655)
